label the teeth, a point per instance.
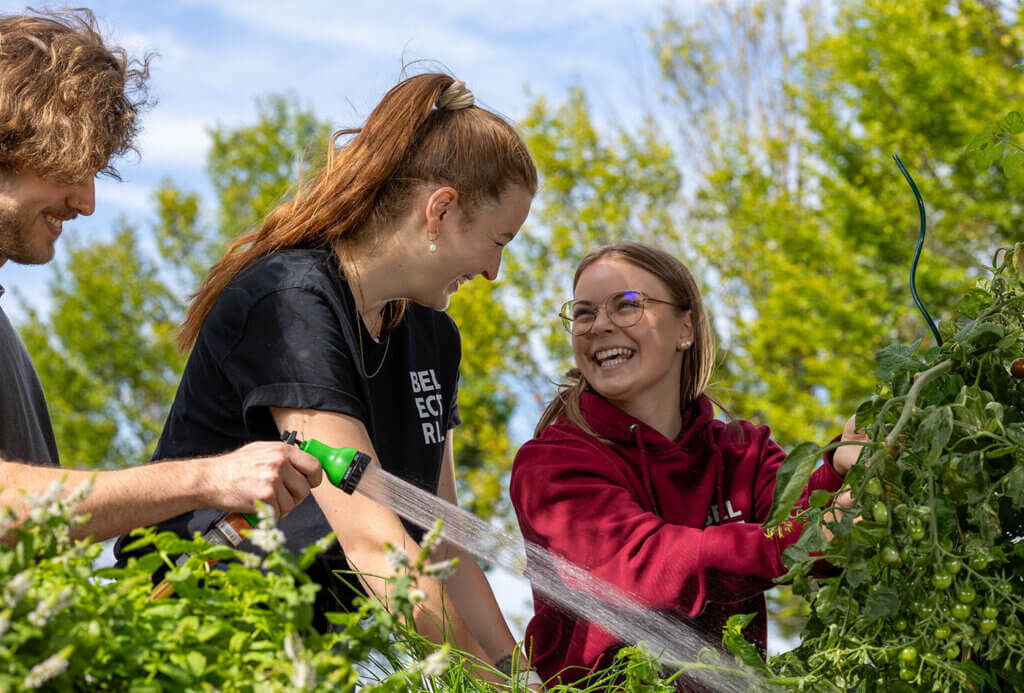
(622, 352)
(53, 221)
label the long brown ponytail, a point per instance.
(415, 136)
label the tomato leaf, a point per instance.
(790, 481)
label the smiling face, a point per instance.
(468, 246)
(32, 213)
(636, 368)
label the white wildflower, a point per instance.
(80, 493)
(397, 558)
(325, 542)
(303, 674)
(48, 669)
(292, 645)
(268, 519)
(17, 586)
(442, 570)
(433, 538)
(5, 621)
(41, 615)
(47, 504)
(416, 595)
(269, 539)
(249, 560)
(435, 663)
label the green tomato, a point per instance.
(987, 625)
(978, 561)
(954, 565)
(906, 673)
(961, 612)
(923, 511)
(908, 655)
(942, 580)
(941, 632)
(874, 487)
(952, 651)
(990, 611)
(966, 594)
(915, 530)
(880, 512)
(900, 625)
(927, 610)
(890, 555)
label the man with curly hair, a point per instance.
(70, 105)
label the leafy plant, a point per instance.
(925, 591)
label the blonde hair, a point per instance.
(425, 130)
(698, 360)
(68, 103)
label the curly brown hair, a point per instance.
(68, 103)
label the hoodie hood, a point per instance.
(644, 446)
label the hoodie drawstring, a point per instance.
(645, 468)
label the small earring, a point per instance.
(433, 247)
(684, 345)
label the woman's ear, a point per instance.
(440, 204)
(686, 327)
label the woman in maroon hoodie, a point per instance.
(630, 475)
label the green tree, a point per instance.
(792, 117)
(105, 352)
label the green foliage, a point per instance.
(66, 625)
(933, 535)
(105, 353)
(483, 452)
(791, 118)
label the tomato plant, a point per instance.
(934, 535)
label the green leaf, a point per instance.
(819, 498)
(1012, 123)
(880, 603)
(898, 358)
(790, 481)
(867, 533)
(734, 641)
(934, 432)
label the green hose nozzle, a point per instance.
(343, 466)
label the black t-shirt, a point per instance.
(284, 334)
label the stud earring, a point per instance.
(433, 247)
(684, 345)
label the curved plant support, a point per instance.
(917, 253)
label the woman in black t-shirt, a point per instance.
(328, 320)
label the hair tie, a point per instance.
(455, 97)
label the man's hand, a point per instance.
(277, 474)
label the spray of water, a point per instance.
(561, 582)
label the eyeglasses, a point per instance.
(624, 309)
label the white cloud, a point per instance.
(173, 139)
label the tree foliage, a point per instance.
(793, 117)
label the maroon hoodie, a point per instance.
(677, 525)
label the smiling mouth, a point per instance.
(609, 358)
(55, 223)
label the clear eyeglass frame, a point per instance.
(623, 308)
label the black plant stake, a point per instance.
(917, 253)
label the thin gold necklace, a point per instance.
(362, 358)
